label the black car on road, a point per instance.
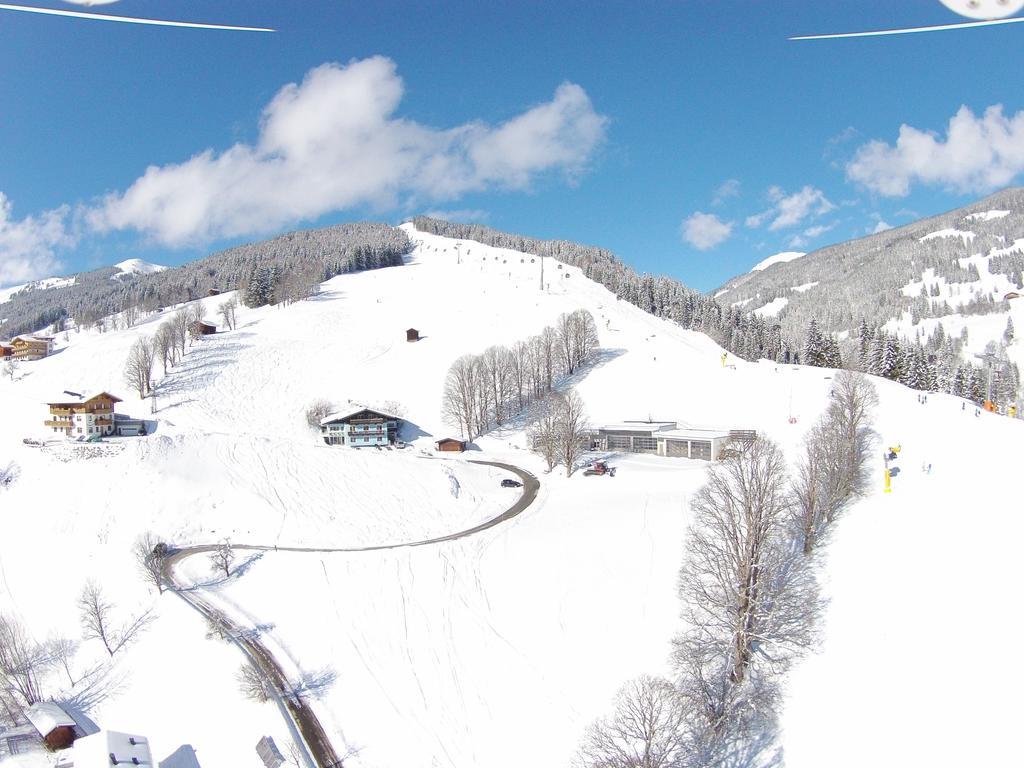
(508, 482)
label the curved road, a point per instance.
(305, 728)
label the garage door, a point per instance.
(700, 449)
(676, 448)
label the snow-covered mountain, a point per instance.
(778, 258)
(138, 267)
(955, 270)
(496, 648)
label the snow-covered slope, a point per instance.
(35, 285)
(778, 258)
(487, 651)
(139, 267)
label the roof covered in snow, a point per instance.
(97, 750)
(47, 716)
(693, 434)
(638, 426)
(344, 416)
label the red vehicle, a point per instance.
(599, 468)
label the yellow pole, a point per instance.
(888, 485)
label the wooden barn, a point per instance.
(6, 350)
(451, 444)
(199, 328)
(412, 335)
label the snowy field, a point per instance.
(494, 649)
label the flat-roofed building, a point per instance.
(662, 438)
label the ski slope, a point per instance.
(486, 651)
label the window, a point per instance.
(79, 430)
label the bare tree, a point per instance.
(572, 429)
(748, 596)
(460, 404)
(854, 398)
(10, 368)
(178, 323)
(222, 558)
(252, 684)
(647, 730)
(494, 380)
(227, 312)
(544, 429)
(98, 622)
(95, 614)
(130, 313)
(138, 369)
(164, 345)
(194, 311)
(22, 663)
(809, 488)
(151, 555)
(586, 340)
(519, 366)
(547, 348)
(317, 411)
(62, 651)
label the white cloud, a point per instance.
(705, 230)
(333, 142)
(978, 154)
(726, 190)
(791, 210)
(27, 245)
(819, 229)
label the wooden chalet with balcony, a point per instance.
(363, 429)
(31, 347)
(79, 416)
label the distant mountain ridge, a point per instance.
(866, 278)
(88, 296)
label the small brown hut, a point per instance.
(199, 328)
(54, 725)
(451, 444)
(412, 335)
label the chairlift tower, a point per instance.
(991, 361)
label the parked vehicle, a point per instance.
(508, 482)
(599, 468)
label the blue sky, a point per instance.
(691, 138)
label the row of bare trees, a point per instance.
(749, 599)
(487, 390)
(167, 345)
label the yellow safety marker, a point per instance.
(888, 483)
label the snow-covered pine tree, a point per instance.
(864, 345)
(890, 363)
(1008, 333)
(814, 347)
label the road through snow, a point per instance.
(302, 722)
